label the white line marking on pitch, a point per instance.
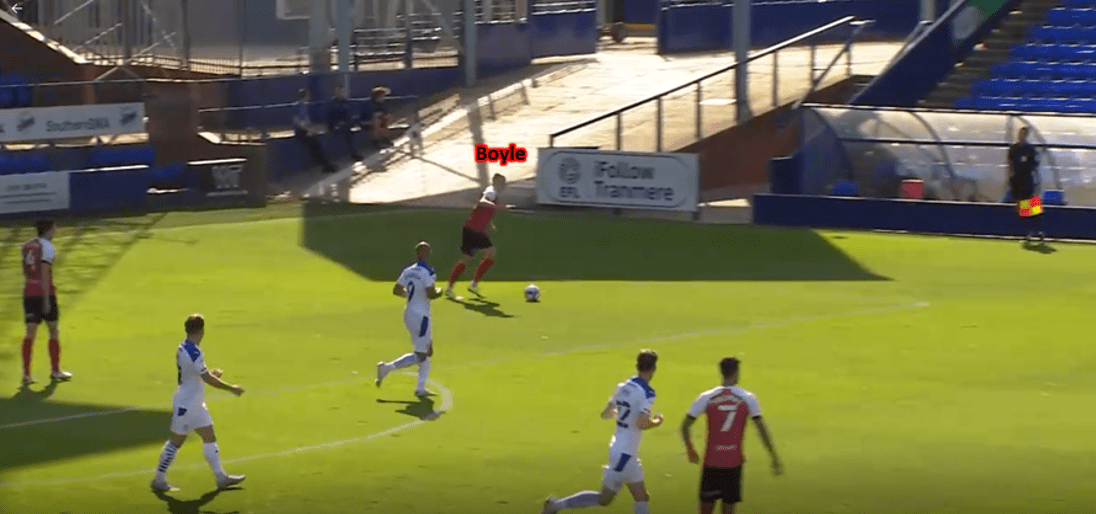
(446, 406)
(576, 349)
(447, 397)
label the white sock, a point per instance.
(643, 508)
(403, 362)
(166, 457)
(424, 370)
(580, 500)
(213, 457)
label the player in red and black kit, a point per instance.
(727, 408)
(40, 299)
(475, 236)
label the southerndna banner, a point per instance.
(71, 121)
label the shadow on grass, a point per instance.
(422, 408)
(25, 440)
(376, 243)
(482, 306)
(177, 506)
(86, 251)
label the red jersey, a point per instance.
(727, 409)
(35, 252)
(482, 213)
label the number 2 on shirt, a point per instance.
(623, 410)
(731, 409)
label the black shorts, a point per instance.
(32, 309)
(472, 241)
(721, 484)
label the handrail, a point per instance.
(846, 49)
(292, 104)
(951, 110)
(763, 53)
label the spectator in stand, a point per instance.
(376, 118)
(305, 131)
(341, 120)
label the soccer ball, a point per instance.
(532, 293)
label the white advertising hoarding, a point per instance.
(594, 178)
(34, 192)
(71, 121)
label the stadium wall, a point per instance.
(738, 158)
(931, 57)
(930, 217)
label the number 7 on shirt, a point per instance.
(731, 409)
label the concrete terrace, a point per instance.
(444, 173)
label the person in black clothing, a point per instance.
(341, 120)
(305, 131)
(375, 117)
(1022, 164)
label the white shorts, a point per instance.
(622, 469)
(421, 330)
(185, 419)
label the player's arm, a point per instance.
(213, 379)
(766, 439)
(399, 290)
(646, 420)
(687, 437)
(433, 293)
(610, 411)
(46, 268)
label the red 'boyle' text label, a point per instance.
(503, 156)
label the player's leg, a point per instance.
(419, 328)
(180, 425)
(52, 318)
(484, 265)
(213, 456)
(32, 313)
(467, 251)
(633, 476)
(582, 500)
(424, 372)
(710, 490)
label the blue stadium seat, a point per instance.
(1081, 4)
(8, 93)
(1068, 17)
(845, 188)
(23, 163)
(22, 90)
(166, 173)
(109, 156)
(1054, 197)
(1008, 197)
(964, 103)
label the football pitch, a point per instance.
(898, 374)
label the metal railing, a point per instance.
(725, 103)
(405, 110)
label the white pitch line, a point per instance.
(566, 351)
(447, 397)
(686, 335)
(446, 406)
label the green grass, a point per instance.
(899, 374)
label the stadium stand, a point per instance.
(1053, 70)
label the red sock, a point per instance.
(28, 350)
(457, 270)
(482, 269)
(55, 354)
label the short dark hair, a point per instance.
(646, 360)
(43, 226)
(729, 366)
(194, 323)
